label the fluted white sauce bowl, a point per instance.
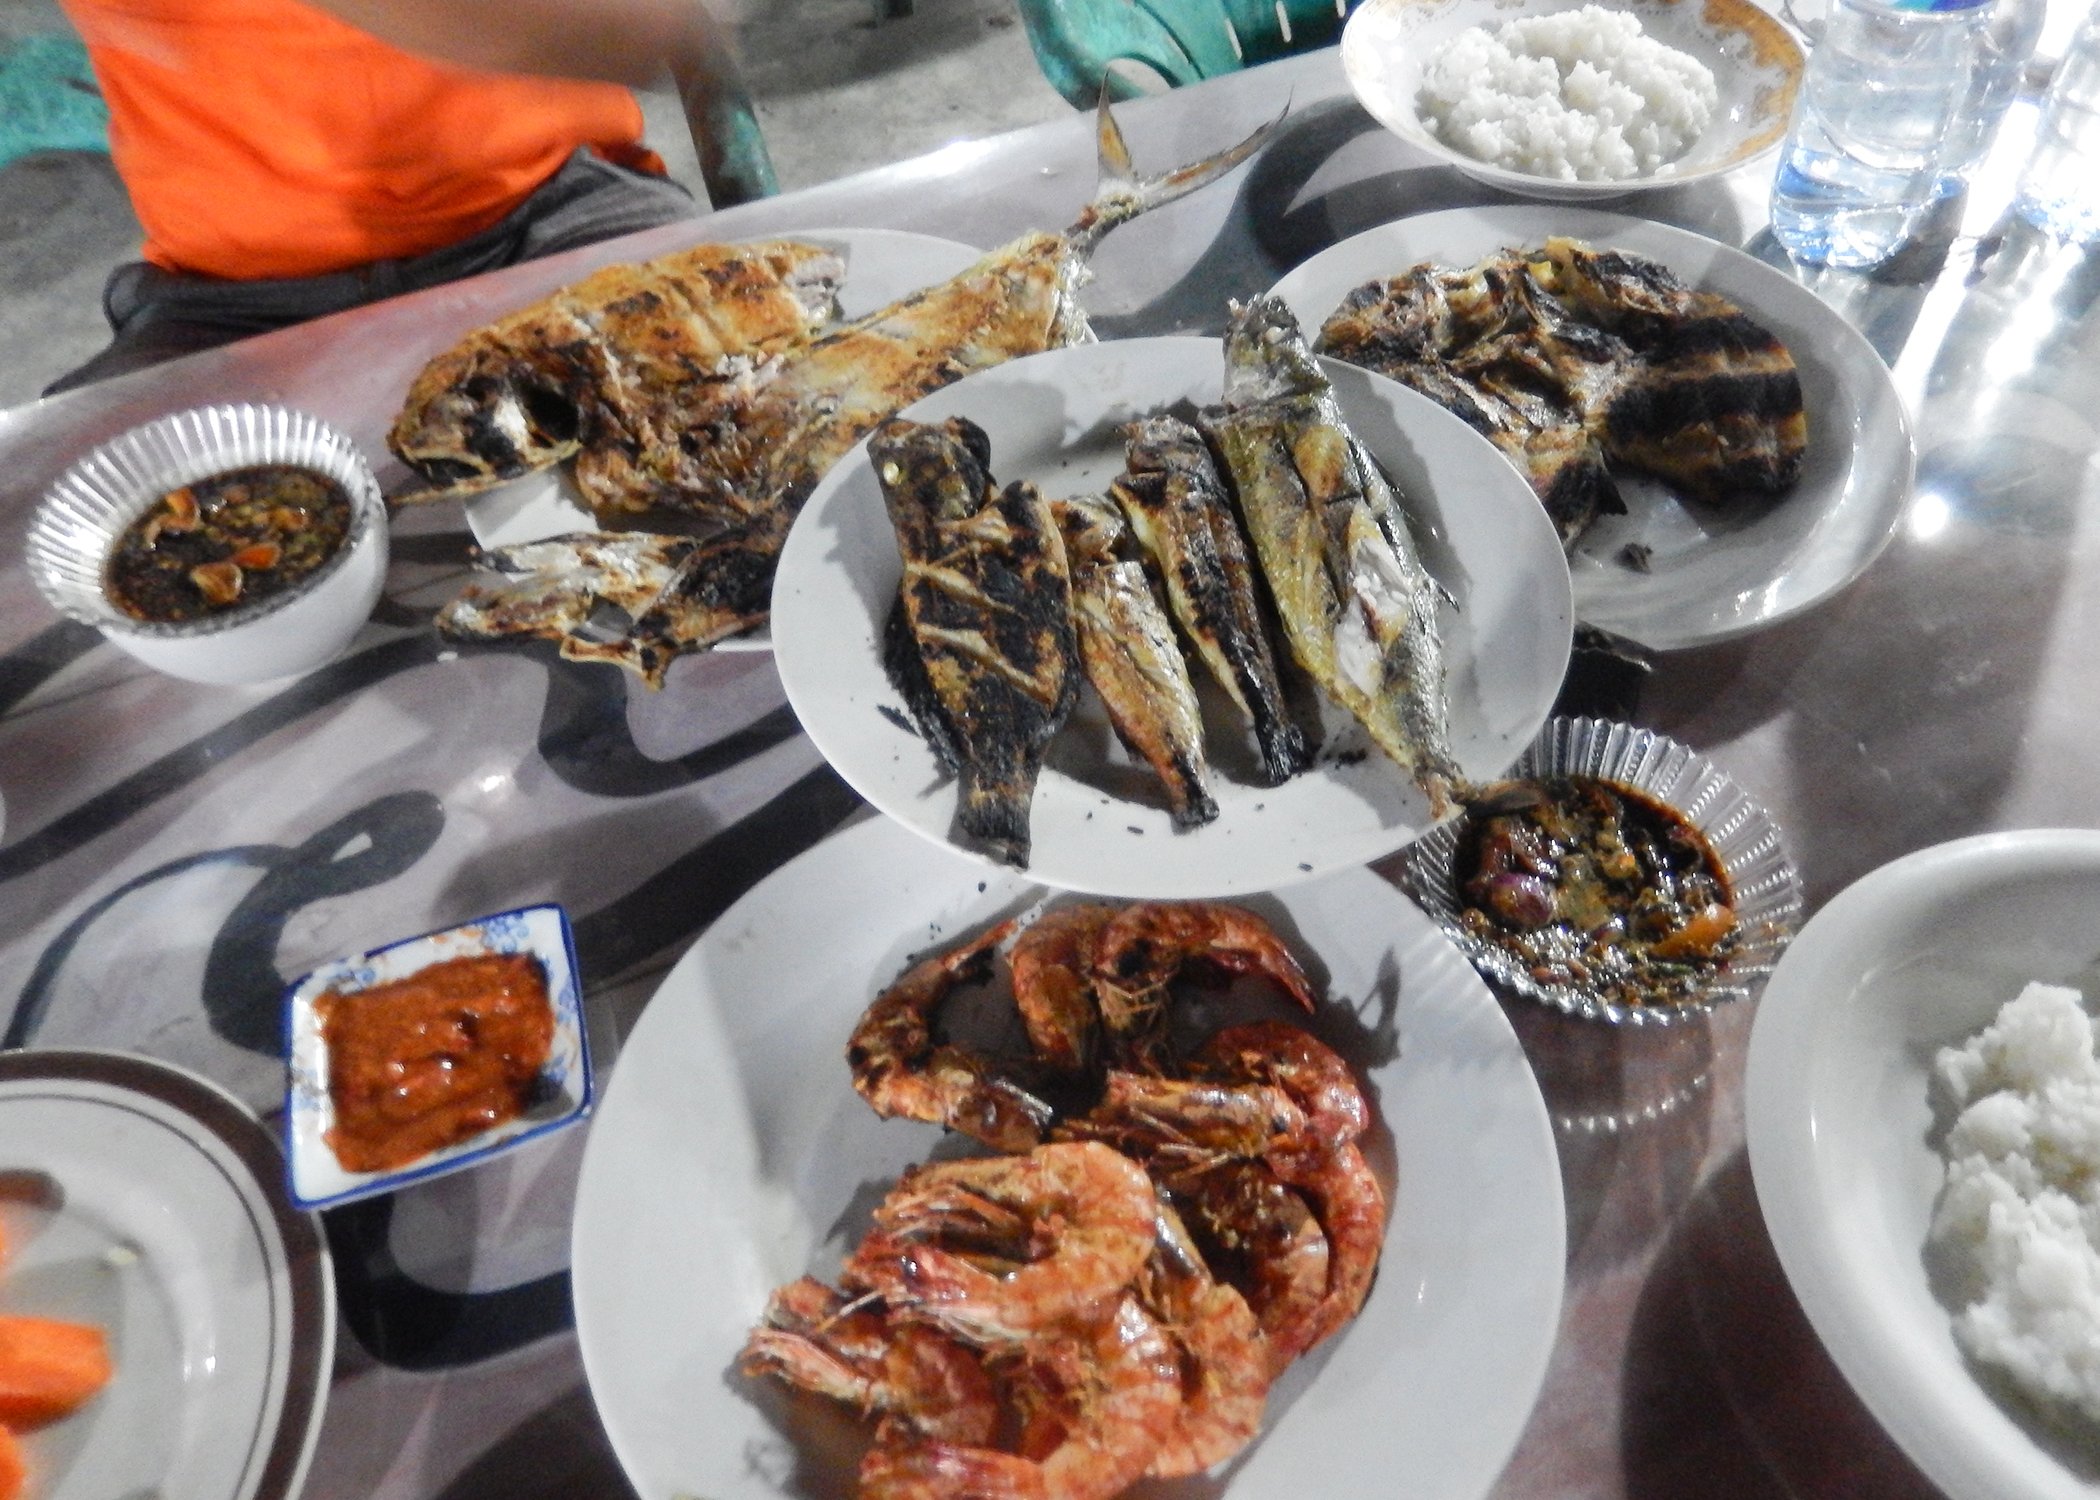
(284, 634)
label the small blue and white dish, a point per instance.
(561, 1097)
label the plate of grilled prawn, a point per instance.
(1172, 617)
(994, 1192)
(1718, 449)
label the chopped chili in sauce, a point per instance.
(1591, 884)
(420, 1063)
(226, 540)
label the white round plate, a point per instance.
(881, 266)
(1712, 574)
(143, 1200)
(1916, 956)
(1755, 61)
(731, 1155)
(1098, 822)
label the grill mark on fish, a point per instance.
(986, 604)
(1655, 408)
(1713, 395)
(1182, 517)
(1491, 345)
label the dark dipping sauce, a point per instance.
(420, 1063)
(226, 540)
(1590, 884)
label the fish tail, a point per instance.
(993, 811)
(1281, 743)
(1122, 195)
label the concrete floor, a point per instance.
(839, 90)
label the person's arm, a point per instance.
(641, 43)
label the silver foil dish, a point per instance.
(1764, 888)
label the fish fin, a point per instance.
(1112, 152)
(1122, 195)
(994, 813)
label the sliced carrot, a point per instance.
(47, 1368)
(14, 1472)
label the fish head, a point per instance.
(472, 420)
(1266, 356)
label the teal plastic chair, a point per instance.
(1183, 41)
(734, 162)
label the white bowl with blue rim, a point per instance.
(560, 1097)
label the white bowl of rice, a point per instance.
(1894, 991)
(1574, 100)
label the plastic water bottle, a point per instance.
(2003, 47)
(2060, 189)
(1887, 85)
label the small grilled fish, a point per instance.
(1127, 646)
(609, 363)
(981, 642)
(1177, 507)
(1357, 606)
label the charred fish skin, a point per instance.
(987, 594)
(1128, 650)
(1569, 356)
(630, 598)
(1177, 507)
(1714, 405)
(1489, 345)
(1357, 606)
(603, 360)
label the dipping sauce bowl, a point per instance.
(303, 625)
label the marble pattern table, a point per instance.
(171, 854)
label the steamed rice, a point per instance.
(1582, 96)
(2020, 1213)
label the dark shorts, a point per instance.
(159, 315)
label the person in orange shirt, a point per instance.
(289, 160)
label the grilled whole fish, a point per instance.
(610, 363)
(981, 641)
(1569, 358)
(1357, 606)
(750, 450)
(1179, 511)
(1127, 646)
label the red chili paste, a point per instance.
(420, 1063)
